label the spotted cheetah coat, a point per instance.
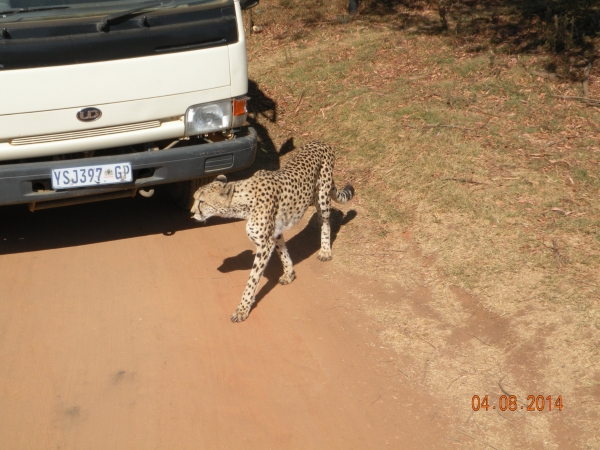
(272, 202)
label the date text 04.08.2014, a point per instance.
(509, 402)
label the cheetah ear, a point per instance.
(227, 191)
(221, 179)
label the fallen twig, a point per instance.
(435, 414)
(557, 161)
(365, 254)
(473, 336)
(441, 125)
(502, 387)
(334, 307)
(326, 108)
(427, 342)
(586, 100)
(376, 400)
(462, 180)
(559, 258)
(299, 103)
(589, 284)
(482, 111)
(566, 213)
(459, 377)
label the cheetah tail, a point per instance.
(342, 196)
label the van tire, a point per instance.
(182, 192)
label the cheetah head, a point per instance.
(213, 199)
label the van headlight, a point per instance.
(215, 116)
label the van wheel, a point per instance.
(182, 192)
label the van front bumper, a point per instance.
(19, 183)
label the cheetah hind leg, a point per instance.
(288, 269)
(323, 206)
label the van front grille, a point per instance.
(85, 133)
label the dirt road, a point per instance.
(115, 334)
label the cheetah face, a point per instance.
(211, 200)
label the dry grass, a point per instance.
(477, 188)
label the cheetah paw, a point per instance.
(287, 279)
(239, 315)
(324, 255)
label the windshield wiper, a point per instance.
(103, 25)
(26, 10)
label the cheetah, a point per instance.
(272, 202)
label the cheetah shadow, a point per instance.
(301, 246)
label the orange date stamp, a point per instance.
(509, 402)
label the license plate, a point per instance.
(91, 175)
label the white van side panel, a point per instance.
(237, 59)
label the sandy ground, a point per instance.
(115, 334)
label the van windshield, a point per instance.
(28, 10)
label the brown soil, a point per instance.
(115, 333)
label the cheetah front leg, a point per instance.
(288, 268)
(264, 249)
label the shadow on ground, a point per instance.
(303, 245)
(23, 231)
(260, 108)
(566, 30)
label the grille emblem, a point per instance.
(88, 114)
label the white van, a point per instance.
(102, 99)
